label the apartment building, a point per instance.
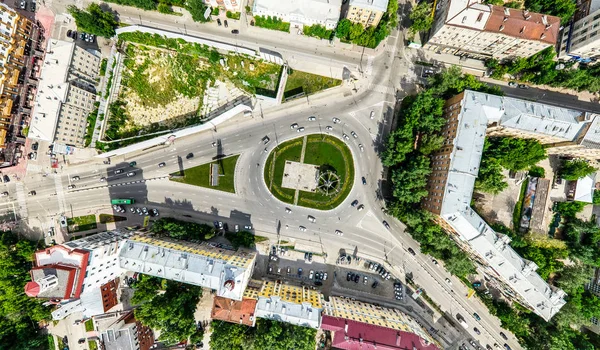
(301, 13)
(240, 312)
(80, 275)
(228, 5)
(225, 271)
(20, 48)
(454, 170)
(366, 12)
(580, 38)
(66, 94)
(300, 306)
(348, 317)
(120, 330)
(472, 29)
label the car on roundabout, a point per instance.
(339, 233)
(302, 229)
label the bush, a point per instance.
(273, 23)
(164, 8)
(537, 171)
(233, 15)
(94, 20)
(596, 197)
(575, 169)
(215, 11)
(318, 31)
(570, 209)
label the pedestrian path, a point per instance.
(21, 200)
(60, 194)
(369, 69)
(381, 89)
(297, 192)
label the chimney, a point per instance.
(505, 19)
(525, 13)
(523, 30)
(506, 11)
(528, 17)
(545, 20)
(543, 36)
(548, 26)
(502, 27)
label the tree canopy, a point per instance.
(196, 8)
(559, 8)
(20, 314)
(421, 17)
(267, 334)
(575, 169)
(369, 36)
(172, 312)
(94, 20)
(184, 230)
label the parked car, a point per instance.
(219, 21)
(311, 274)
(131, 173)
(32, 193)
(75, 178)
(235, 31)
(512, 84)
(118, 171)
(160, 165)
(375, 284)
(312, 118)
(189, 155)
(523, 86)
(349, 276)
(132, 164)
(4, 194)
(226, 24)
(70, 187)
(353, 134)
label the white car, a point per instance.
(372, 114)
(294, 126)
(335, 120)
(288, 210)
(324, 276)
(4, 194)
(346, 137)
(300, 129)
(311, 275)
(360, 146)
(75, 178)
(312, 118)
(302, 229)
(102, 179)
(328, 128)
(361, 207)
(448, 281)
(311, 219)
(354, 134)
(339, 233)
(131, 173)
(70, 187)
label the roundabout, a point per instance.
(314, 171)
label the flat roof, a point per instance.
(320, 10)
(275, 308)
(52, 90)
(377, 5)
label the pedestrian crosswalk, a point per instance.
(381, 89)
(369, 68)
(60, 194)
(22, 210)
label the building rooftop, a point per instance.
(204, 265)
(377, 5)
(472, 229)
(290, 293)
(511, 22)
(52, 90)
(354, 335)
(276, 308)
(584, 191)
(319, 10)
(234, 311)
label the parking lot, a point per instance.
(296, 266)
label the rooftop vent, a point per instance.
(528, 17)
(523, 29)
(502, 27)
(545, 20)
(464, 19)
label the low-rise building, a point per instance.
(471, 28)
(580, 38)
(241, 312)
(228, 5)
(121, 331)
(225, 271)
(454, 170)
(301, 12)
(300, 306)
(389, 321)
(80, 275)
(66, 94)
(366, 12)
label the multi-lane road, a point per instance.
(252, 203)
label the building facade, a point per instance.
(20, 50)
(454, 170)
(366, 12)
(580, 38)
(66, 95)
(472, 29)
(228, 5)
(301, 306)
(225, 271)
(301, 12)
(80, 275)
(120, 330)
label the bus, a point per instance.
(122, 201)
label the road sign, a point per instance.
(146, 221)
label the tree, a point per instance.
(490, 178)
(409, 182)
(171, 312)
(575, 169)
(560, 8)
(399, 144)
(574, 277)
(537, 171)
(515, 154)
(459, 264)
(570, 209)
(267, 334)
(343, 28)
(94, 20)
(178, 229)
(421, 17)
(197, 8)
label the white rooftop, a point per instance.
(187, 266)
(584, 191)
(379, 5)
(475, 16)
(319, 10)
(52, 90)
(273, 308)
(492, 247)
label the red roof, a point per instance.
(233, 311)
(77, 281)
(364, 336)
(32, 289)
(523, 24)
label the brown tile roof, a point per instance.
(233, 311)
(516, 24)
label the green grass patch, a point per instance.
(258, 239)
(91, 124)
(82, 223)
(92, 345)
(519, 207)
(200, 175)
(302, 83)
(106, 218)
(89, 325)
(103, 64)
(325, 151)
(233, 15)
(51, 342)
(273, 23)
(61, 344)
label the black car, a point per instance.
(503, 336)
(189, 156)
(225, 227)
(354, 203)
(356, 278)
(69, 33)
(386, 224)
(349, 276)
(306, 256)
(507, 347)
(375, 284)
(235, 31)
(226, 24)
(6, 178)
(34, 146)
(218, 21)
(309, 256)
(364, 181)
(411, 251)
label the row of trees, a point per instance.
(191, 231)
(267, 334)
(171, 312)
(407, 153)
(318, 31)
(542, 68)
(370, 36)
(20, 315)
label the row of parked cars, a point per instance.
(73, 34)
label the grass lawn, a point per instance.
(298, 82)
(290, 150)
(92, 345)
(82, 223)
(320, 150)
(106, 218)
(200, 175)
(89, 325)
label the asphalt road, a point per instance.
(252, 203)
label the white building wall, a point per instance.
(585, 37)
